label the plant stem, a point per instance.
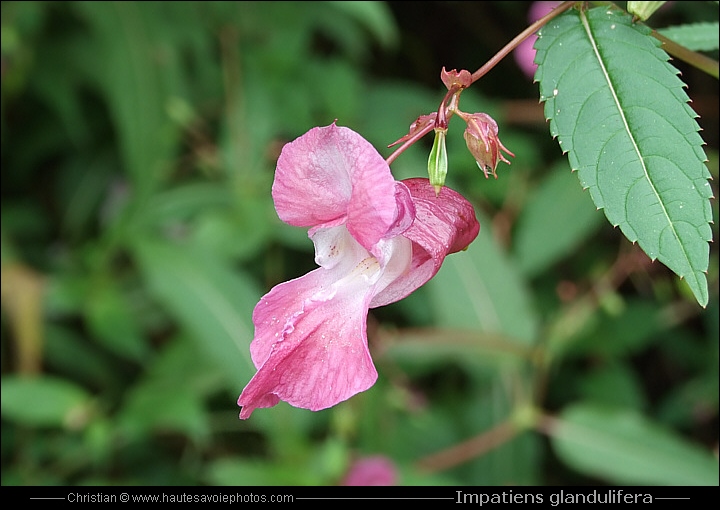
(520, 38)
(442, 111)
(417, 136)
(470, 449)
(695, 59)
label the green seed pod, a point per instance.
(438, 162)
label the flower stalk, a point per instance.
(456, 82)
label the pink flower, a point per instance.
(376, 241)
(371, 471)
(525, 52)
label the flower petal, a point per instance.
(444, 224)
(405, 211)
(310, 342)
(321, 361)
(330, 174)
(312, 183)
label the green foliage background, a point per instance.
(138, 232)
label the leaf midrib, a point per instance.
(606, 75)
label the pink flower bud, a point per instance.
(481, 137)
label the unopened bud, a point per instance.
(438, 162)
(481, 137)
(643, 10)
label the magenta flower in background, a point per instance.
(525, 53)
(376, 241)
(371, 471)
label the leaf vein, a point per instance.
(612, 89)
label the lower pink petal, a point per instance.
(310, 343)
(322, 362)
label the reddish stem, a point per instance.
(520, 38)
(442, 116)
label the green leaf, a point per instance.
(478, 289)
(619, 110)
(170, 394)
(613, 384)
(426, 349)
(212, 301)
(113, 322)
(136, 69)
(558, 202)
(235, 471)
(623, 447)
(67, 353)
(694, 36)
(376, 17)
(183, 202)
(44, 401)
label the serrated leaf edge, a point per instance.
(591, 38)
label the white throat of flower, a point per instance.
(357, 269)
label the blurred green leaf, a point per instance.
(137, 72)
(341, 85)
(444, 412)
(237, 234)
(44, 401)
(621, 446)
(244, 472)
(66, 352)
(479, 289)
(691, 404)
(615, 384)
(409, 477)
(557, 218)
(389, 107)
(163, 402)
(694, 36)
(162, 407)
(183, 202)
(82, 187)
(113, 322)
(622, 333)
(208, 298)
(426, 349)
(65, 294)
(375, 16)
